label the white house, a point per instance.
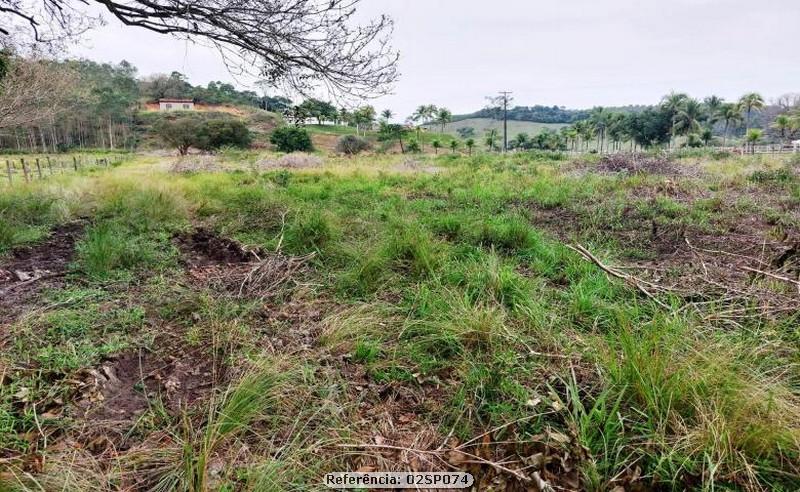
(176, 105)
(796, 145)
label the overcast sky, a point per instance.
(574, 53)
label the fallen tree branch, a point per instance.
(773, 275)
(630, 279)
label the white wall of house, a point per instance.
(175, 106)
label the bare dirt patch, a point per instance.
(30, 268)
(195, 163)
(112, 396)
(202, 247)
(412, 165)
(638, 164)
(296, 160)
(739, 266)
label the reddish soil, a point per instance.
(28, 269)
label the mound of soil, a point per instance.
(203, 247)
(296, 160)
(29, 268)
(641, 164)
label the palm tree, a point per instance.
(730, 114)
(443, 117)
(783, 124)
(436, 146)
(470, 143)
(752, 137)
(387, 114)
(688, 118)
(706, 136)
(453, 145)
(750, 102)
(672, 104)
(600, 119)
(424, 114)
(712, 106)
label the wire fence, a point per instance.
(27, 169)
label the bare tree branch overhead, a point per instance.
(300, 44)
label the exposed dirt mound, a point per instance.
(640, 164)
(195, 163)
(29, 268)
(203, 247)
(296, 160)
(412, 165)
(230, 267)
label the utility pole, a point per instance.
(505, 95)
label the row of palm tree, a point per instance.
(678, 115)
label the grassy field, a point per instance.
(254, 322)
(481, 125)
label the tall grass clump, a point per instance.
(27, 213)
(702, 411)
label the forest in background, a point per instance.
(52, 106)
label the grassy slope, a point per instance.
(432, 285)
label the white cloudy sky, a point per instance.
(575, 53)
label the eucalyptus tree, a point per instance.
(752, 101)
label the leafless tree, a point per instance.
(299, 44)
(34, 92)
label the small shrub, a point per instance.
(783, 175)
(291, 139)
(352, 145)
(413, 146)
(230, 133)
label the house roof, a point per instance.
(169, 100)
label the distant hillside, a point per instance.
(545, 114)
(481, 125)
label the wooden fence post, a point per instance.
(49, 165)
(8, 169)
(75, 163)
(38, 168)
(25, 171)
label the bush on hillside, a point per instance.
(352, 145)
(227, 133)
(291, 139)
(187, 130)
